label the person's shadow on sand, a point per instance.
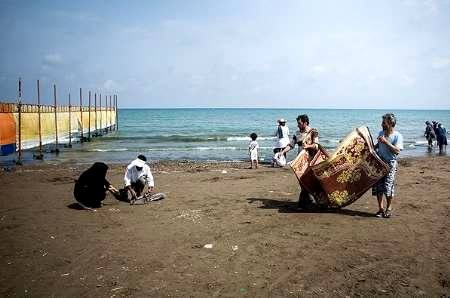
(75, 206)
(291, 207)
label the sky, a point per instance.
(268, 54)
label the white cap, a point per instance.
(139, 163)
(282, 120)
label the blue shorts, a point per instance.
(386, 185)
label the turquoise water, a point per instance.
(222, 134)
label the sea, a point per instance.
(222, 134)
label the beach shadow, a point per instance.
(75, 206)
(292, 207)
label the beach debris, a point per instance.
(115, 289)
(65, 274)
(193, 215)
(52, 237)
(224, 172)
(234, 247)
(209, 245)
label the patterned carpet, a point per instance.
(339, 179)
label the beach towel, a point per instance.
(343, 177)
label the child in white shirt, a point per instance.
(253, 151)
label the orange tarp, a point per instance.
(7, 129)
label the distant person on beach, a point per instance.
(429, 134)
(435, 125)
(253, 148)
(90, 188)
(390, 143)
(282, 135)
(282, 140)
(441, 137)
(137, 177)
(306, 138)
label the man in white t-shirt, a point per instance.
(137, 176)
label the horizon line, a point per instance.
(292, 108)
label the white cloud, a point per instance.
(440, 62)
(431, 6)
(53, 59)
(111, 86)
(317, 71)
(406, 80)
(79, 16)
(428, 7)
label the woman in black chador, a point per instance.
(90, 189)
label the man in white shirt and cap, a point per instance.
(282, 134)
(137, 176)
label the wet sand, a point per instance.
(261, 245)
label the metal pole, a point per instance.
(100, 106)
(110, 114)
(106, 113)
(95, 109)
(56, 120)
(40, 155)
(117, 114)
(19, 107)
(81, 116)
(89, 118)
(70, 123)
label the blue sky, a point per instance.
(283, 54)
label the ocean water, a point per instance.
(222, 134)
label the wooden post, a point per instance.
(56, 120)
(81, 116)
(89, 117)
(70, 123)
(39, 155)
(95, 109)
(19, 107)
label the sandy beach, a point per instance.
(261, 246)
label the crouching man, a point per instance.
(137, 177)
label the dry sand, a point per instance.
(261, 245)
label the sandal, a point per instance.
(380, 214)
(387, 214)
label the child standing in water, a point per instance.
(253, 150)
